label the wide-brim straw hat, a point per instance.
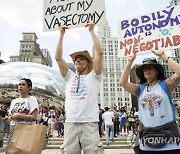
(86, 54)
(155, 64)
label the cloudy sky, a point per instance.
(18, 16)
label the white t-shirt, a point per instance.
(82, 106)
(108, 117)
(22, 105)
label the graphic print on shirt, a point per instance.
(21, 107)
(82, 89)
(151, 102)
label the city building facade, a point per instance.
(175, 54)
(174, 2)
(30, 51)
(111, 93)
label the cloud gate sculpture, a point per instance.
(48, 85)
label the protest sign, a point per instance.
(155, 31)
(73, 13)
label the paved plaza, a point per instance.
(107, 151)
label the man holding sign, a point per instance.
(81, 105)
(72, 13)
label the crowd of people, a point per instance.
(53, 117)
(117, 121)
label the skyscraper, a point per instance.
(176, 56)
(111, 93)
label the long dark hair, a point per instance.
(29, 84)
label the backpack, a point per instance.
(165, 88)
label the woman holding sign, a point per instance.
(158, 130)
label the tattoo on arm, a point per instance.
(174, 82)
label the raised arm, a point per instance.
(173, 81)
(128, 86)
(98, 58)
(63, 67)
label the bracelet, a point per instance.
(167, 59)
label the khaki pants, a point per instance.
(81, 136)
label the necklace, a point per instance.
(149, 89)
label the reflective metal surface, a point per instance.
(45, 80)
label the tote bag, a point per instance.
(27, 139)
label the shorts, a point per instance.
(81, 136)
(51, 121)
(123, 121)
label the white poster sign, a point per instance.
(155, 31)
(73, 13)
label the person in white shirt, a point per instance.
(81, 104)
(108, 118)
(23, 109)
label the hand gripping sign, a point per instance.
(72, 13)
(155, 31)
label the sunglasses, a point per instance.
(149, 59)
(79, 58)
(148, 68)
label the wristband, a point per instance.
(167, 59)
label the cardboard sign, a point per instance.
(155, 31)
(72, 13)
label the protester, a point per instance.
(81, 105)
(61, 121)
(3, 115)
(51, 122)
(133, 120)
(100, 123)
(108, 118)
(156, 110)
(177, 112)
(23, 109)
(123, 120)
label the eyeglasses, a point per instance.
(79, 57)
(149, 59)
